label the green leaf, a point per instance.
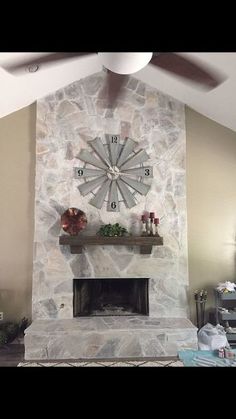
(112, 230)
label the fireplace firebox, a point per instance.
(110, 297)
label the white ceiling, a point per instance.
(219, 104)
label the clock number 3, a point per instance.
(147, 172)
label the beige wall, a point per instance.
(211, 201)
(17, 167)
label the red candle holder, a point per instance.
(144, 226)
(156, 223)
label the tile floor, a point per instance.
(157, 363)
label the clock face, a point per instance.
(113, 172)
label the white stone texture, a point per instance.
(108, 338)
(66, 121)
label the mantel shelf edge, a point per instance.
(77, 243)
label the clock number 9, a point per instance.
(80, 172)
(113, 205)
(147, 172)
(114, 139)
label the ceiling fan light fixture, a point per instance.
(125, 62)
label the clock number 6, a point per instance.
(113, 205)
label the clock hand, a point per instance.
(109, 166)
(123, 173)
(98, 147)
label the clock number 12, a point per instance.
(114, 139)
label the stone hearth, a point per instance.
(110, 337)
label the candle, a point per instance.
(156, 223)
(152, 215)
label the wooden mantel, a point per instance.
(77, 243)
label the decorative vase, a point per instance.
(73, 220)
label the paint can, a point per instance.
(229, 354)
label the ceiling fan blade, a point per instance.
(187, 69)
(32, 64)
(112, 90)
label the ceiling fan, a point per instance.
(120, 65)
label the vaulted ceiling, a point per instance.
(218, 104)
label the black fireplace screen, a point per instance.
(110, 297)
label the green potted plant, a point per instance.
(9, 331)
(112, 230)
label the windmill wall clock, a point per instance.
(113, 172)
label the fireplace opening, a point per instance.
(110, 297)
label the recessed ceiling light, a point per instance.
(32, 68)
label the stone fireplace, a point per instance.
(75, 295)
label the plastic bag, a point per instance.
(212, 337)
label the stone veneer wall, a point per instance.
(66, 120)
